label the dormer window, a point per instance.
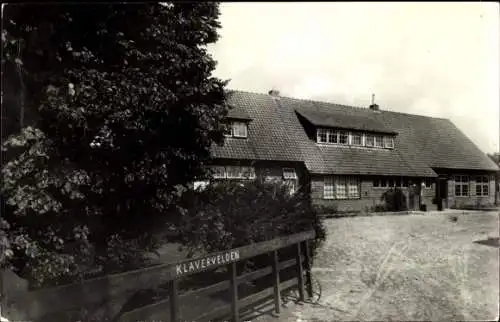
(236, 129)
(354, 138)
(357, 139)
(388, 142)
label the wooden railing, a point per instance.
(40, 303)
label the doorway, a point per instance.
(442, 193)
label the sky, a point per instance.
(428, 58)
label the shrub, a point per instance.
(379, 208)
(395, 200)
(230, 214)
(326, 210)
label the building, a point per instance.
(347, 157)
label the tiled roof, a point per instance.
(421, 143)
(238, 112)
(343, 120)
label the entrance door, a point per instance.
(414, 197)
(442, 193)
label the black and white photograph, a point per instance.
(196, 161)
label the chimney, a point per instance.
(274, 92)
(373, 106)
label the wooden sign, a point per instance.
(201, 264)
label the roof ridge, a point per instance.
(341, 105)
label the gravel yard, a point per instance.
(407, 267)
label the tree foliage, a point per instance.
(126, 111)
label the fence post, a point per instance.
(308, 269)
(174, 300)
(276, 275)
(300, 272)
(234, 292)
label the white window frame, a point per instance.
(341, 187)
(289, 173)
(388, 142)
(356, 134)
(319, 133)
(373, 140)
(242, 172)
(483, 182)
(220, 174)
(460, 182)
(333, 136)
(234, 127)
(328, 188)
(343, 134)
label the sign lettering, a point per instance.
(207, 262)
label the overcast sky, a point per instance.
(434, 59)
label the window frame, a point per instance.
(356, 138)
(234, 127)
(293, 175)
(388, 142)
(461, 183)
(319, 133)
(483, 183)
(341, 187)
(243, 172)
(356, 134)
(343, 134)
(328, 188)
(372, 145)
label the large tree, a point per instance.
(126, 111)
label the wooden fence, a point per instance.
(34, 305)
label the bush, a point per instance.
(231, 214)
(379, 208)
(395, 200)
(326, 210)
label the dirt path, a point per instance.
(414, 267)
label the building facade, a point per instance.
(348, 157)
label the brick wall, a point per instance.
(472, 199)
(370, 196)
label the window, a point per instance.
(200, 185)
(356, 139)
(233, 172)
(322, 135)
(428, 183)
(376, 183)
(405, 182)
(353, 187)
(333, 137)
(291, 185)
(341, 187)
(228, 131)
(390, 183)
(289, 173)
(239, 129)
(236, 129)
(219, 172)
(461, 186)
(482, 186)
(328, 190)
(343, 137)
(388, 142)
(383, 182)
(290, 180)
(398, 182)
(370, 140)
